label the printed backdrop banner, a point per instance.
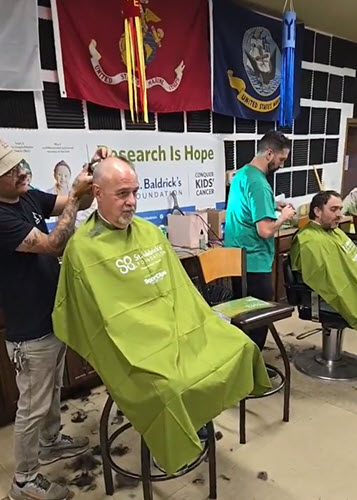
(192, 167)
(92, 53)
(247, 59)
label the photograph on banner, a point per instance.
(191, 168)
(247, 51)
(52, 159)
(63, 158)
(25, 145)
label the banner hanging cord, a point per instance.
(291, 5)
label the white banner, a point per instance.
(20, 67)
(191, 166)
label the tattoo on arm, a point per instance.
(38, 242)
(32, 239)
(63, 231)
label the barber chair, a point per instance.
(330, 362)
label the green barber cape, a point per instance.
(327, 261)
(126, 305)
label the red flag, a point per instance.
(176, 51)
(130, 8)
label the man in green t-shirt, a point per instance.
(251, 221)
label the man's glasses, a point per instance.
(15, 171)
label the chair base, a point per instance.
(313, 364)
(330, 363)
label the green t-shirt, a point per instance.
(251, 199)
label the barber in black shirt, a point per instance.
(28, 280)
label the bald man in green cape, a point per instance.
(127, 306)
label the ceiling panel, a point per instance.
(331, 18)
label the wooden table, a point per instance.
(187, 253)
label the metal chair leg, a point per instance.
(332, 340)
(330, 363)
(242, 435)
(279, 343)
(145, 477)
(103, 436)
(212, 461)
(145, 470)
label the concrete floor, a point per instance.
(313, 457)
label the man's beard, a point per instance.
(272, 168)
(126, 216)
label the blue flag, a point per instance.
(247, 63)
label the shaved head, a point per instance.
(115, 186)
(107, 167)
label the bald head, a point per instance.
(115, 186)
(110, 167)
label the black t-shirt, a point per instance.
(28, 281)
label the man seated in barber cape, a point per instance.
(326, 257)
(125, 304)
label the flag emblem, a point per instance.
(153, 36)
(261, 59)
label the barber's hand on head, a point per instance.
(102, 154)
(288, 212)
(82, 184)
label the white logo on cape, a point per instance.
(142, 260)
(154, 279)
(125, 265)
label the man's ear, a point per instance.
(268, 155)
(95, 190)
